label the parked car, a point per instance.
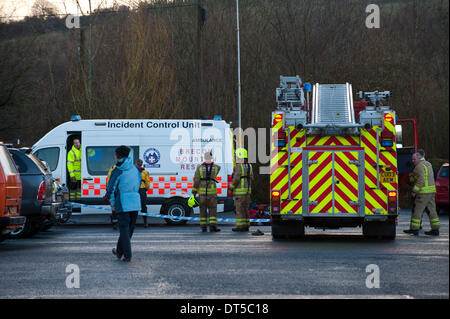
(10, 194)
(44, 201)
(442, 189)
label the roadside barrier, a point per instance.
(225, 220)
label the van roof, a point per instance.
(121, 125)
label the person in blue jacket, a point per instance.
(123, 193)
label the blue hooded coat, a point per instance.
(123, 187)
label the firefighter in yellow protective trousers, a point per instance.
(424, 191)
(241, 188)
(74, 168)
(205, 185)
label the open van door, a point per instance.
(97, 158)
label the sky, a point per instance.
(18, 9)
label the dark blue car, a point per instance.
(44, 201)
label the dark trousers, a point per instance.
(143, 194)
(127, 221)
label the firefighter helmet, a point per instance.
(241, 153)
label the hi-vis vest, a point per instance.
(424, 176)
(205, 179)
(242, 177)
(74, 163)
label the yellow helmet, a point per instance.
(192, 202)
(241, 153)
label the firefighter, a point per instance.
(114, 219)
(423, 192)
(74, 168)
(145, 185)
(205, 185)
(241, 188)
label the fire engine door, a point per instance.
(332, 182)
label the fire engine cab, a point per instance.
(332, 166)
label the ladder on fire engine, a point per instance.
(333, 104)
(290, 93)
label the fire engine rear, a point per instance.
(332, 167)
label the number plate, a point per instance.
(388, 177)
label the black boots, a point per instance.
(414, 232)
(433, 232)
(213, 229)
(240, 229)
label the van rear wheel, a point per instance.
(176, 207)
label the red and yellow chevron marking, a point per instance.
(279, 178)
(320, 182)
(346, 187)
(333, 141)
(376, 198)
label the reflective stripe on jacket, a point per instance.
(74, 163)
(242, 176)
(145, 178)
(203, 184)
(424, 178)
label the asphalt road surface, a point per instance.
(182, 262)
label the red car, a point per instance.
(10, 194)
(442, 187)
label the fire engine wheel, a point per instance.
(288, 230)
(379, 230)
(176, 207)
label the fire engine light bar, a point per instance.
(388, 117)
(277, 118)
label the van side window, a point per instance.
(101, 158)
(49, 155)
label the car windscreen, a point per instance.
(6, 161)
(444, 172)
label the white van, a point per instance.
(170, 149)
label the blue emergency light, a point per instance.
(387, 143)
(217, 117)
(307, 87)
(75, 118)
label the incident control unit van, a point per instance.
(170, 149)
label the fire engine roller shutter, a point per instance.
(376, 198)
(333, 181)
(279, 173)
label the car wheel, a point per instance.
(22, 231)
(28, 229)
(176, 207)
